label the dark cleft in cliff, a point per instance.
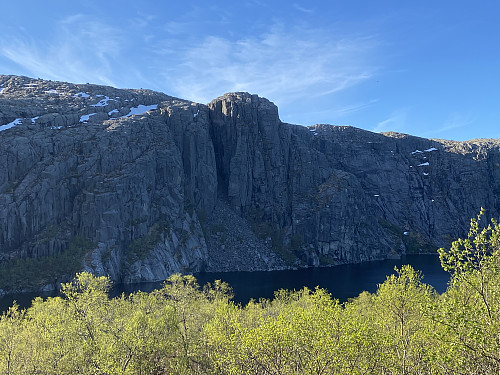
(137, 185)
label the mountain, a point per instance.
(137, 185)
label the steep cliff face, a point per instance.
(334, 194)
(158, 185)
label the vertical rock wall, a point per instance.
(161, 185)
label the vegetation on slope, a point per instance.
(403, 328)
(34, 273)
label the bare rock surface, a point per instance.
(160, 185)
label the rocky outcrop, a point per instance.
(159, 185)
(340, 194)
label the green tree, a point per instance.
(10, 340)
(400, 307)
(469, 311)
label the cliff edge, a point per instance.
(137, 185)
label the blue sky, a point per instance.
(430, 69)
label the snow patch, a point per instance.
(197, 113)
(86, 118)
(102, 102)
(17, 121)
(33, 119)
(52, 91)
(110, 113)
(431, 149)
(81, 94)
(416, 152)
(140, 109)
(426, 174)
(376, 195)
(423, 164)
(406, 233)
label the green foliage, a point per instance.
(296, 242)
(414, 242)
(326, 260)
(400, 305)
(35, 273)
(266, 231)
(404, 328)
(475, 253)
(469, 311)
(139, 248)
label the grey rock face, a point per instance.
(162, 185)
(340, 194)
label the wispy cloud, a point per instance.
(281, 64)
(354, 107)
(454, 122)
(284, 63)
(334, 112)
(81, 50)
(396, 121)
(302, 9)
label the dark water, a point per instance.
(343, 282)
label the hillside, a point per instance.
(138, 185)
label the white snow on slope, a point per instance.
(52, 91)
(33, 119)
(416, 152)
(431, 149)
(423, 164)
(102, 102)
(17, 121)
(110, 113)
(1, 88)
(86, 118)
(140, 109)
(81, 94)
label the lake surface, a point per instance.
(343, 282)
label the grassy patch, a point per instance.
(141, 247)
(415, 242)
(35, 273)
(326, 260)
